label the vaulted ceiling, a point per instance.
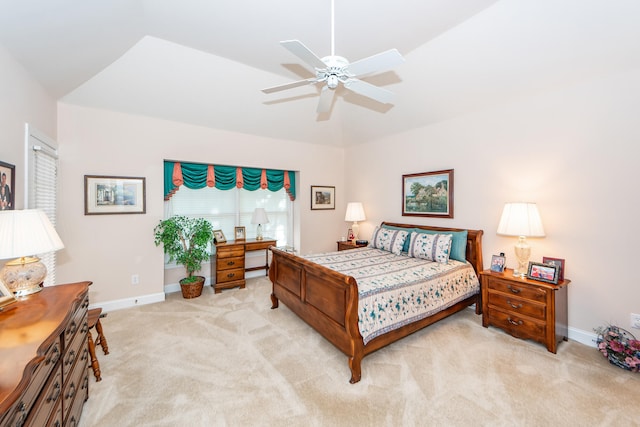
(204, 62)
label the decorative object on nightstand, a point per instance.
(344, 245)
(522, 220)
(259, 217)
(355, 213)
(525, 308)
(620, 347)
(25, 234)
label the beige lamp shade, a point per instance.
(522, 220)
(355, 213)
(259, 217)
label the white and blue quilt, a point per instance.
(395, 290)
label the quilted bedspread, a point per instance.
(395, 290)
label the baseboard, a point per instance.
(175, 287)
(583, 337)
(129, 302)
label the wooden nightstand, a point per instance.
(525, 308)
(343, 246)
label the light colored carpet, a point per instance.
(229, 360)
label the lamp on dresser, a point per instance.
(355, 213)
(522, 220)
(23, 235)
(259, 217)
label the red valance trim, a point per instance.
(177, 175)
(211, 177)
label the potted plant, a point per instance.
(185, 239)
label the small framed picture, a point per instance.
(498, 263)
(543, 272)
(6, 296)
(107, 195)
(240, 233)
(7, 186)
(558, 262)
(218, 236)
(323, 197)
(350, 235)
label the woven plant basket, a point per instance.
(193, 289)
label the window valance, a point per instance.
(199, 175)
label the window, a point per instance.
(42, 184)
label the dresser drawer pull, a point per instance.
(72, 328)
(230, 275)
(231, 263)
(56, 388)
(70, 358)
(516, 306)
(55, 355)
(513, 322)
(72, 391)
(514, 290)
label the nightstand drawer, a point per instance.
(229, 275)
(230, 263)
(230, 251)
(517, 305)
(524, 290)
(518, 326)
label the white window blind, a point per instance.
(41, 186)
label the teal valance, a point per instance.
(200, 175)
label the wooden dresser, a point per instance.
(44, 377)
(525, 308)
(228, 262)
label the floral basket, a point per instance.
(620, 347)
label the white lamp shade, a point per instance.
(355, 212)
(259, 216)
(25, 233)
(520, 219)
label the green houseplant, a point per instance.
(185, 240)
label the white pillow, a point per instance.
(432, 247)
(388, 240)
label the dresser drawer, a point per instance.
(229, 275)
(75, 389)
(518, 326)
(74, 351)
(47, 401)
(230, 263)
(76, 322)
(525, 291)
(230, 251)
(517, 305)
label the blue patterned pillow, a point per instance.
(432, 247)
(388, 240)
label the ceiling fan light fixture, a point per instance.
(332, 81)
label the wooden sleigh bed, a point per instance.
(328, 300)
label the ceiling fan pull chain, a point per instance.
(333, 25)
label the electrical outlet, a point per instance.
(635, 320)
(135, 279)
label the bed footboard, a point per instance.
(325, 299)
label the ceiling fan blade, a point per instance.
(377, 63)
(324, 103)
(370, 91)
(301, 51)
(289, 85)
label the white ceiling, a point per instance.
(204, 62)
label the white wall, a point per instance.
(573, 151)
(108, 249)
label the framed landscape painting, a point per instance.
(323, 197)
(114, 195)
(428, 194)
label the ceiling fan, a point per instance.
(333, 70)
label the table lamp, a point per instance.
(24, 234)
(355, 213)
(259, 217)
(522, 220)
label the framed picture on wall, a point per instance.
(104, 195)
(323, 197)
(7, 186)
(428, 194)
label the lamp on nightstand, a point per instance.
(355, 213)
(522, 220)
(23, 235)
(259, 217)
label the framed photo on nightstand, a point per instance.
(557, 262)
(497, 263)
(543, 272)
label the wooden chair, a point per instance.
(94, 321)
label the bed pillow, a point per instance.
(432, 247)
(458, 242)
(405, 247)
(388, 240)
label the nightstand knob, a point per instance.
(514, 290)
(516, 306)
(513, 322)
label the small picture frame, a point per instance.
(555, 261)
(240, 233)
(218, 236)
(543, 272)
(109, 195)
(498, 263)
(350, 235)
(6, 296)
(7, 186)
(323, 197)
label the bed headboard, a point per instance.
(474, 241)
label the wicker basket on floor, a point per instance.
(193, 289)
